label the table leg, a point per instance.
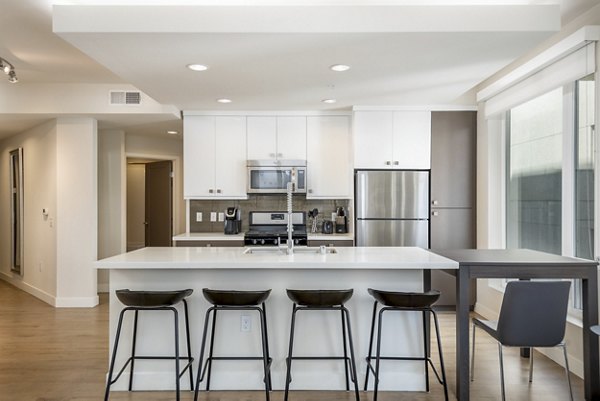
(591, 369)
(462, 333)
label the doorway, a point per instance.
(149, 203)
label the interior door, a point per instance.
(159, 207)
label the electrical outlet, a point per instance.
(245, 323)
(213, 216)
(198, 217)
(221, 216)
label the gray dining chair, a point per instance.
(533, 314)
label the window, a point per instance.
(584, 169)
(534, 176)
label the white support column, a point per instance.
(77, 212)
(112, 219)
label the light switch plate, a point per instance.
(198, 217)
(221, 216)
(213, 216)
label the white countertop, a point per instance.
(235, 258)
(238, 237)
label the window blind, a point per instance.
(570, 68)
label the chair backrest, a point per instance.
(534, 313)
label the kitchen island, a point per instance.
(388, 268)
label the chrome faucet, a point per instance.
(290, 225)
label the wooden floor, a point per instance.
(49, 354)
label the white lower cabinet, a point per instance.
(329, 166)
(214, 157)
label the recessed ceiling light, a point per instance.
(197, 67)
(340, 67)
(329, 101)
(172, 132)
(223, 100)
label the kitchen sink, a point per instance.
(262, 250)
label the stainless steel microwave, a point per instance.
(272, 176)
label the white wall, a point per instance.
(77, 211)
(111, 184)
(39, 167)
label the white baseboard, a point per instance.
(18, 282)
(64, 302)
(76, 302)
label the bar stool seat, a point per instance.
(152, 301)
(323, 300)
(319, 298)
(404, 301)
(233, 300)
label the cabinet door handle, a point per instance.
(219, 191)
(435, 213)
(272, 155)
(210, 191)
(396, 163)
(388, 163)
(310, 191)
(434, 202)
(279, 154)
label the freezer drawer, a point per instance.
(392, 194)
(392, 233)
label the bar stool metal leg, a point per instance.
(265, 356)
(189, 346)
(473, 355)
(378, 355)
(109, 381)
(266, 341)
(288, 376)
(177, 375)
(439, 343)
(210, 352)
(346, 367)
(425, 350)
(352, 358)
(371, 344)
(201, 370)
(135, 323)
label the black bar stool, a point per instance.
(311, 300)
(147, 301)
(405, 301)
(230, 300)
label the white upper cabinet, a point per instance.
(392, 139)
(214, 157)
(276, 138)
(291, 138)
(329, 166)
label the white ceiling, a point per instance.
(415, 61)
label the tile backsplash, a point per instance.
(258, 203)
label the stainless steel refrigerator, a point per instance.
(392, 208)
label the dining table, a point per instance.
(524, 264)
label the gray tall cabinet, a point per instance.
(453, 189)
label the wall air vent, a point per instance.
(125, 98)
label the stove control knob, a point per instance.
(254, 242)
(262, 241)
(274, 242)
(296, 241)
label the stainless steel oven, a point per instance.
(272, 176)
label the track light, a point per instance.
(9, 70)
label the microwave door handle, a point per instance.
(294, 179)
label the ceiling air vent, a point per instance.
(123, 97)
